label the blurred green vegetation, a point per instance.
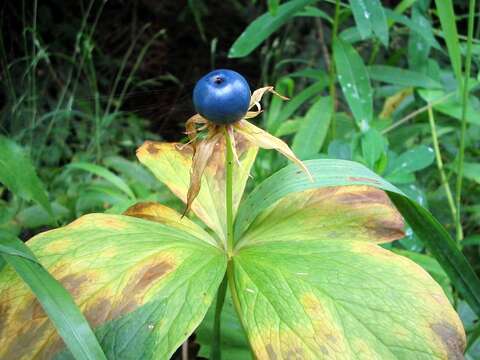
(84, 84)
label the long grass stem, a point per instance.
(461, 150)
(440, 167)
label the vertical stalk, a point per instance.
(229, 192)
(333, 91)
(441, 170)
(216, 351)
(468, 63)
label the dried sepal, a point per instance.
(258, 94)
(191, 126)
(203, 152)
(265, 140)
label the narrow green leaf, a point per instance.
(327, 172)
(449, 27)
(399, 76)
(112, 178)
(418, 24)
(313, 129)
(370, 17)
(55, 300)
(311, 11)
(353, 77)
(18, 174)
(262, 27)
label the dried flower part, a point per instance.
(203, 151)
(263, 139)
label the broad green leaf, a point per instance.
(144, 286)
(397, 76)
(370, 17)
(329, 173)
(349, 299)
(430, 265)
(262, 27)
(234, 344)
(171, 164)
(49, 296)
(451, 106)
(360, 212)
(353, 77)
(373, 146)
(103, 172)
(18, 174)
(449, 27)
(313, 129)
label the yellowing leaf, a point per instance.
(171, 165)
(342, 213)
(330, 299)
(140, 284)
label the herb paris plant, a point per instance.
(306, 272)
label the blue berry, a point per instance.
(222, 96)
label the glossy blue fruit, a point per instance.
(222, 96)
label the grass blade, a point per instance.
(115, 180)
(397, 76)
(262, 27)
(55, 300)
(449, 28)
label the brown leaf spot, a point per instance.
(4, 310)
(98, 313)
(26, 339)
(453, 341)
(138, 209)
(151, 148)
(363, 179)
(365, 195)
(37, 310)
(73, 283)
(137, 286)
(150, 274)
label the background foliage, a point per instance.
(378, 82)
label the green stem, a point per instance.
(222, 290)
(441, 170)
(332, 88)
(216, 351)
(229, 193)
(468, 63)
